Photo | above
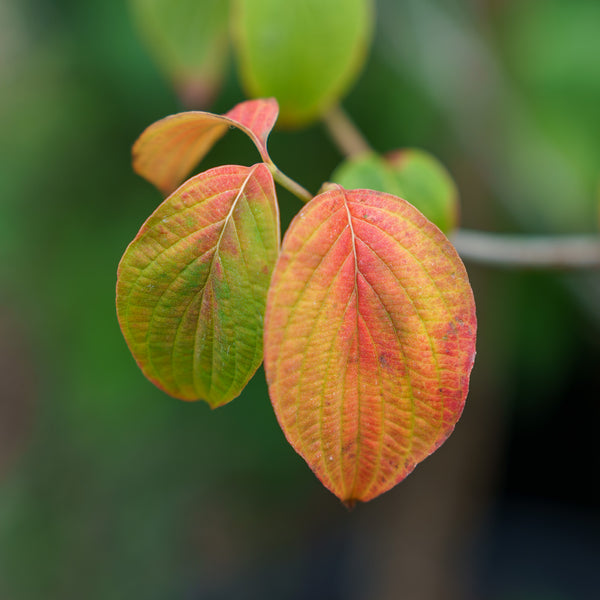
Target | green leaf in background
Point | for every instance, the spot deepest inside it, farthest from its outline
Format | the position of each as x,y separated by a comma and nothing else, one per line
552,54
189,40
192,285
411,174
306,53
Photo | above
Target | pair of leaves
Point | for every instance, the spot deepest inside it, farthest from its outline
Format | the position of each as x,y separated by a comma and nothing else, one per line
369,320
306,53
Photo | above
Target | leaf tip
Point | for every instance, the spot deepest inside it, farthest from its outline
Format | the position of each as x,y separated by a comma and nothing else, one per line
350,503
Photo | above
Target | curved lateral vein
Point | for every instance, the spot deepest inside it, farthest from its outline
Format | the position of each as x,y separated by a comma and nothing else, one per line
382,407
409,379
128,306
416,260
166,249
334,279
307,282
325,379
235,338
417,312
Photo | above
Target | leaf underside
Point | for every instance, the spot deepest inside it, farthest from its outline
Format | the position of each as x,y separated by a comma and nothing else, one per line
369,339
192,285
168,150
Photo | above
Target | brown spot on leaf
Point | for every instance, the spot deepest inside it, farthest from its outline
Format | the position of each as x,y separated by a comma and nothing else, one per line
384,360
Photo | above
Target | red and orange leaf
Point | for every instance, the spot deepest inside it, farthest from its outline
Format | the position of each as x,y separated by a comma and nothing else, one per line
369,339
192,285
170,148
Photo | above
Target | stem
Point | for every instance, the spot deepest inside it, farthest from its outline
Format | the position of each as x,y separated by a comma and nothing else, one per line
549,252
346,135
289,184
347,138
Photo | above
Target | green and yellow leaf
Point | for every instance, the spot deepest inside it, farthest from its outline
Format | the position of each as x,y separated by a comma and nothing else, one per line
369,339
169,149
192,285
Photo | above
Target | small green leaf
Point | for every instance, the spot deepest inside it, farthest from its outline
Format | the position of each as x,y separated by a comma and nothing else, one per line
306,53
192,285
189,40
411,174
369,339
168,149
367,171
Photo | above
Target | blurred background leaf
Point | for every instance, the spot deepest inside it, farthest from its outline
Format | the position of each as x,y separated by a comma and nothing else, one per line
410,173
305,53
109,489
190,41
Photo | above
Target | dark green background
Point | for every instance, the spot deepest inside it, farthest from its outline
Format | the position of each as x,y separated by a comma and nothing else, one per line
109,489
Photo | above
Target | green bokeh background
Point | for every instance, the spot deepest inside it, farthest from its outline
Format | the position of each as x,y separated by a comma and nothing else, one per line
109,489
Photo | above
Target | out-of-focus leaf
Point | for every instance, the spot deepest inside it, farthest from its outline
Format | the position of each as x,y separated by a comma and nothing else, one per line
168,149
421,176
552,49
306,53
369,339
189,40
411,174
192,285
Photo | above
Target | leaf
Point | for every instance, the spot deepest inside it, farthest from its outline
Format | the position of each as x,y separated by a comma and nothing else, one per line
168,149
411,174
189,40
369,339
192,285
306,53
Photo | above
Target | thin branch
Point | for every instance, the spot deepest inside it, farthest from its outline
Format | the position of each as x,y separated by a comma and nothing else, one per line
289,184
526,251
345,134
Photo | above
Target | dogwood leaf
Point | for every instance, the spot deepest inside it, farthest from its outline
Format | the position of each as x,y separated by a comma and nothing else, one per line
168,149
192,285
369,339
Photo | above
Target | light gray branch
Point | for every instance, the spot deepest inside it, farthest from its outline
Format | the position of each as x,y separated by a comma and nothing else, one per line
527,251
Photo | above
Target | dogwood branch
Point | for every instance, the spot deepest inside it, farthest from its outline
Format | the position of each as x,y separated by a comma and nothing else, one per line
345,134
528,251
